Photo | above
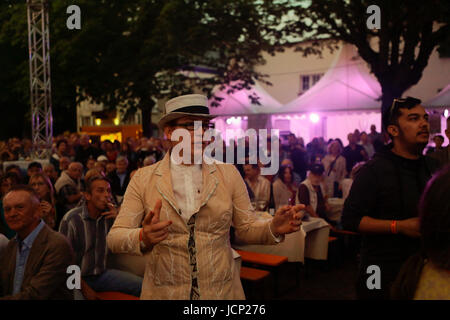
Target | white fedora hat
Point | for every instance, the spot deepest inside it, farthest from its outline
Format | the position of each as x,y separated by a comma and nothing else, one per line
186,105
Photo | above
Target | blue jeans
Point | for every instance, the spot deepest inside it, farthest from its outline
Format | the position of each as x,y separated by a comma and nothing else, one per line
116,280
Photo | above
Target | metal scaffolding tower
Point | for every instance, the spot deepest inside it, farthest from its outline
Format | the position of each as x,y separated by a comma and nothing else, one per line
40,85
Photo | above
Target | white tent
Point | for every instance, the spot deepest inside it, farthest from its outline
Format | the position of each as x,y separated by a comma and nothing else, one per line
441,100
236,110
438,104
346,98
238,103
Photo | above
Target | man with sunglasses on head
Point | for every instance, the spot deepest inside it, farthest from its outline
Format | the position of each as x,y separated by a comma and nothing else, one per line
382,204
178,215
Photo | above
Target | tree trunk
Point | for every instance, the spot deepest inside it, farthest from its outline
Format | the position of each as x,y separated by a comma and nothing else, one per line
389,93
146,108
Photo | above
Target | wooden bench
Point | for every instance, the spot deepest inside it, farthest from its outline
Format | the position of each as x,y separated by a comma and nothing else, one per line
114,295
264,260
255,277
252,274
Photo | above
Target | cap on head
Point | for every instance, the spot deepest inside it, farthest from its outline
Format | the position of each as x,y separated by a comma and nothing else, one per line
185,105
317,169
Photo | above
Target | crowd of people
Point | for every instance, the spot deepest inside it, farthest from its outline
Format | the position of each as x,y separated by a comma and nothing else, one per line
79,192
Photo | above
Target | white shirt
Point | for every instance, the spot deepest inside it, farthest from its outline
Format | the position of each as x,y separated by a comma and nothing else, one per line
187,182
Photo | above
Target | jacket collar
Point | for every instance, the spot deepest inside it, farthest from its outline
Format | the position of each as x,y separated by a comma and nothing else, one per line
165,188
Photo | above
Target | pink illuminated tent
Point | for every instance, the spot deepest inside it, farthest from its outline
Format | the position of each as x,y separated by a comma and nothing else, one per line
347,86
238,102
237,110
346,98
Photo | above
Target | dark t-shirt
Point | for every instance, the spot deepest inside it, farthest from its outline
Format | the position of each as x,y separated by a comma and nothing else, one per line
303,198
388,187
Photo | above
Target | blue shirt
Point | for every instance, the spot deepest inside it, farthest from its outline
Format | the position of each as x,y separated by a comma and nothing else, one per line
23,250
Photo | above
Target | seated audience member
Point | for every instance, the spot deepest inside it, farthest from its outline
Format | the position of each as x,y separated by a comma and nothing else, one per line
7,181
120,178
85,150
64,163
367,145
51,173
312,193
110,168
438,142
68,189
101,166
258,184
284,188
426,275
34,263
44,190
86,228
346,184
90,164
15,169
443,155
297,179
61,151
353,153
33,168
335,169
93,172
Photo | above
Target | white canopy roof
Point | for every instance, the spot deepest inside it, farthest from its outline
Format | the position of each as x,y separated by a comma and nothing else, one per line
440,100
347,86
239,103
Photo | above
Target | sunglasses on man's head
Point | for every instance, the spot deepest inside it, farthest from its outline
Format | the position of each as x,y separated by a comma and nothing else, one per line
397,103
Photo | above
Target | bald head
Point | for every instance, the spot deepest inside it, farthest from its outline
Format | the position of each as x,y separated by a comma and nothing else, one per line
22,210
75,170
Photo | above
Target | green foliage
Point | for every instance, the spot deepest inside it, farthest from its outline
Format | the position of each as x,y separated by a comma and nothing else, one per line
129,52
397,53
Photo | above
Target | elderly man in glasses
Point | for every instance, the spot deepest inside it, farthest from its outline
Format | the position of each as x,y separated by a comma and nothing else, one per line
382,204
179,216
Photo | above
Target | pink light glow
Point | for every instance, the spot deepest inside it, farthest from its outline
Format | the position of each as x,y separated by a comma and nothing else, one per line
314,118
446,113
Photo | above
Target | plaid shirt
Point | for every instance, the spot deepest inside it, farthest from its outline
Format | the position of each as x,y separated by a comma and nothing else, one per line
88,239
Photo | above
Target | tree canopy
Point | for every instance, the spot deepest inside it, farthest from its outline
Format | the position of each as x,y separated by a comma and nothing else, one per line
397,53
130,52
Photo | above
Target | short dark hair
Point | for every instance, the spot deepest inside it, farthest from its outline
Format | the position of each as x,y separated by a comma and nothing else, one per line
390,116
10,175
11,167
35,164
61,141
92,179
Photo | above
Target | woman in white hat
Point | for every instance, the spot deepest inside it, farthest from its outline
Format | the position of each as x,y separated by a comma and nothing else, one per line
179,216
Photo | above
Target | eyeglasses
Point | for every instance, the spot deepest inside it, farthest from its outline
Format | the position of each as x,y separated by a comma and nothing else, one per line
191,125
394,105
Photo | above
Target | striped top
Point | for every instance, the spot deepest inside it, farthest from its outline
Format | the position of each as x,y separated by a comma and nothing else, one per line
88,239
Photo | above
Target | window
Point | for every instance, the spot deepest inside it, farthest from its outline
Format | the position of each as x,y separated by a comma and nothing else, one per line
315,78
308,80
305,83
